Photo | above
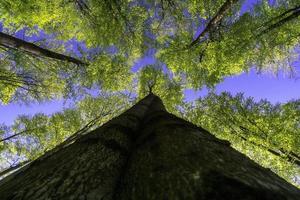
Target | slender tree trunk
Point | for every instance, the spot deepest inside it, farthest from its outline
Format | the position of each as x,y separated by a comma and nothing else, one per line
146,153
224,9
12,168
16,43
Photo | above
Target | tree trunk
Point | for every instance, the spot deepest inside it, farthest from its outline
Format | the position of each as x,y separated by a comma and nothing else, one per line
146,153
224,9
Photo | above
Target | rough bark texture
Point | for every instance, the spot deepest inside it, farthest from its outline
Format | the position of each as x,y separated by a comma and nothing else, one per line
146,153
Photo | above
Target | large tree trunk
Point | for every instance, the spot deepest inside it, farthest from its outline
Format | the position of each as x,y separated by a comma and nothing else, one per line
146,153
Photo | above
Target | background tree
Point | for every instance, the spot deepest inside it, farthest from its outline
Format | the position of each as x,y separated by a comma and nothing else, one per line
27,70
267,133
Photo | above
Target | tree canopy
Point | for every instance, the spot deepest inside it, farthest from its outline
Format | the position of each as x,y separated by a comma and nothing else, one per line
267,133
74,49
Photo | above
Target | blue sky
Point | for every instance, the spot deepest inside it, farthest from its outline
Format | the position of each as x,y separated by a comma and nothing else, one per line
276,89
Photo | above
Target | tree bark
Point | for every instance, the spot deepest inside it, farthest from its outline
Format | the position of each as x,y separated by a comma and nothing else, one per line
16,43
146,153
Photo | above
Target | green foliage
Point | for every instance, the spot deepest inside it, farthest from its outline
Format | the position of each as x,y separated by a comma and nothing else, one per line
152,78
267,133
238,43
25,77
265,37
110,72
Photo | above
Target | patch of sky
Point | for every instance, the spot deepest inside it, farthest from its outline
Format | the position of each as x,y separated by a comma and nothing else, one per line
186,13
112,49
249,5
75,47
276,89
150,35
79,49
200,29
8,113
39,36
157,14
272,2
296,61
147,59
144,3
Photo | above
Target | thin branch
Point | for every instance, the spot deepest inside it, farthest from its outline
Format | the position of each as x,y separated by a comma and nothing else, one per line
14,135
282,15
291,157
294,15
10,169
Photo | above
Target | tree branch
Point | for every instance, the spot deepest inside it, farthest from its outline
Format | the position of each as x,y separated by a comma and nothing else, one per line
14,135
295,13
10,169
215,20
16,43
